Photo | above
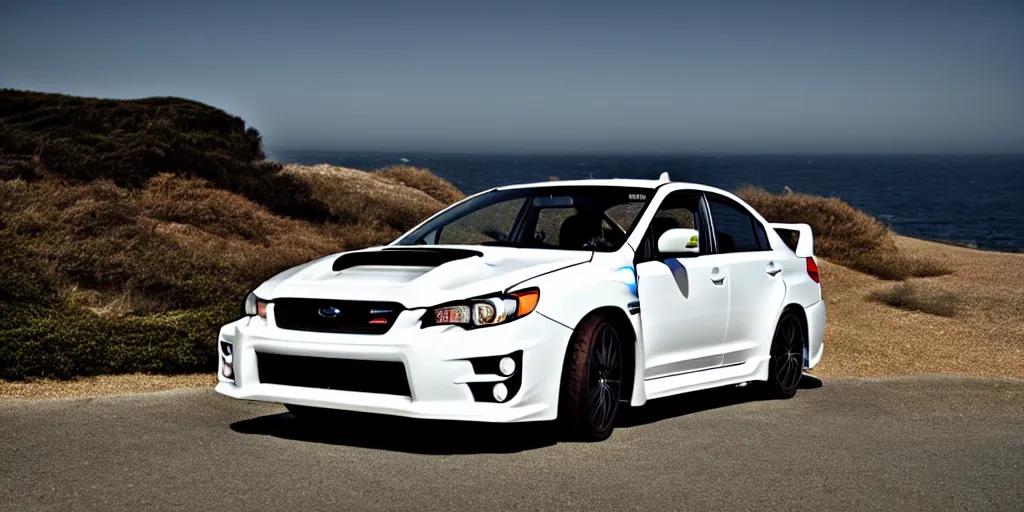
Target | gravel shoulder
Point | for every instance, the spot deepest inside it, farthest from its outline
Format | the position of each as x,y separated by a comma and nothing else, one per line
103,385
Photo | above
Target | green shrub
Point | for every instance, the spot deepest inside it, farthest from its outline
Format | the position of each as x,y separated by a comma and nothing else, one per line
21,279
67,341
43,334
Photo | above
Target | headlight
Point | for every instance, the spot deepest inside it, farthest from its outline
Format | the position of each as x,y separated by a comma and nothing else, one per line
254,306
484,311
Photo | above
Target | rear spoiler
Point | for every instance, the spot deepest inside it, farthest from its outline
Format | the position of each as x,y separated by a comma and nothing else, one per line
803,246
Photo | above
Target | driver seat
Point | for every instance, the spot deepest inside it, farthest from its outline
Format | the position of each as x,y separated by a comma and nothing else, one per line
578,230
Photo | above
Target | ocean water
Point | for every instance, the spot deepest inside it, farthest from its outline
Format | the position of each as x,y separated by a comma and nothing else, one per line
975,200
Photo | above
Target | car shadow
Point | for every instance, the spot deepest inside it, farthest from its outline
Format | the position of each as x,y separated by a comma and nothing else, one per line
436,437
699,401
426,437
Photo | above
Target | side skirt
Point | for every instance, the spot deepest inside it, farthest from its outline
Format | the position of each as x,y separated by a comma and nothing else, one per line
753,369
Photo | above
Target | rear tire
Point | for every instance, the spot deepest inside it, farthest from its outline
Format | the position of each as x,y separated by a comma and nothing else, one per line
592,380
786,366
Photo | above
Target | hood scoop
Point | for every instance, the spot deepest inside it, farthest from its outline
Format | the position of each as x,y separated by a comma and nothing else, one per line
402,257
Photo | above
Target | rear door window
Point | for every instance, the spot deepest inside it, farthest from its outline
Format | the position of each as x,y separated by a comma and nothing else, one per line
736,230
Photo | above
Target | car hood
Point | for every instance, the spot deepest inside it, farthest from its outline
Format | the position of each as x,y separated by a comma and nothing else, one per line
461,272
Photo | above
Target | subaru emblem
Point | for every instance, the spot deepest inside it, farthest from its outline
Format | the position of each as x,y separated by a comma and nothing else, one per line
329,312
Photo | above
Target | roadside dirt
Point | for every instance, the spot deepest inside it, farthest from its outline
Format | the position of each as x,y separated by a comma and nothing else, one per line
864,338
103,385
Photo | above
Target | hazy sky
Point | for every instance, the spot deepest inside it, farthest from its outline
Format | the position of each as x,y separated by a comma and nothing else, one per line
522,76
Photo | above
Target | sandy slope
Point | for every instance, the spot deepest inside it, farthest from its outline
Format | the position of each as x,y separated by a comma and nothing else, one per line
986,337
862,338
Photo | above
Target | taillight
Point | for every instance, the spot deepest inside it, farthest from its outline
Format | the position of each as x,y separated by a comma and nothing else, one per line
812,270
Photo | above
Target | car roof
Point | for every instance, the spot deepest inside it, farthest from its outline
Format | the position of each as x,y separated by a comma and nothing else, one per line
617,182
614,182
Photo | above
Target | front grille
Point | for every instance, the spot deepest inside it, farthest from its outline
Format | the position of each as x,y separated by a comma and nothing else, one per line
385,377
353,317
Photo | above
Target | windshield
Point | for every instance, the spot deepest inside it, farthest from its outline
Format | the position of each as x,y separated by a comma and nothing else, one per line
588,218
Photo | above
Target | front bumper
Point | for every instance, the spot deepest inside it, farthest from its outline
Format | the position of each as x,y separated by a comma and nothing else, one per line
436,360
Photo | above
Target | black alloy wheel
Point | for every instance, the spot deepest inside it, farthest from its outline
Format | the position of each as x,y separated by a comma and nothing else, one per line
786,366
593,380
605,378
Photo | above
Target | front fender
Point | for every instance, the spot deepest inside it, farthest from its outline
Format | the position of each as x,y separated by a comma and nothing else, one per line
569,295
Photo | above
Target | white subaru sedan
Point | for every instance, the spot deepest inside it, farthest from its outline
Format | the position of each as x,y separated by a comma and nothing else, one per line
561,300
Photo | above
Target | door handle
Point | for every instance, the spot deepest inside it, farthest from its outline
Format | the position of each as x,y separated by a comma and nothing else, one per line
718,282
773,270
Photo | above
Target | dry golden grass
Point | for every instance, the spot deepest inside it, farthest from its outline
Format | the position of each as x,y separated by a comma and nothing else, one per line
377,206
916,297
985,339
177,243
844,234
840,230
424,180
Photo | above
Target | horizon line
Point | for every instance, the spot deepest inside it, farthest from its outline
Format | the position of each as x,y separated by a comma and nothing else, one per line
354,152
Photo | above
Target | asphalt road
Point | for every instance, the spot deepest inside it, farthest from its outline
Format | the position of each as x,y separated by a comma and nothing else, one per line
926,444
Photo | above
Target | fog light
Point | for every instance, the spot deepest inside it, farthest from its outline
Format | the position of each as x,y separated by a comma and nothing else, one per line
227,358
507,366
500,392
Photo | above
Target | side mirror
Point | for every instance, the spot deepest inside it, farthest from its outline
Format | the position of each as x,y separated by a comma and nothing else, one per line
679,242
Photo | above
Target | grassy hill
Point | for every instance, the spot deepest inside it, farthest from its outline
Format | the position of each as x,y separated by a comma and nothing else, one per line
129,142
131,230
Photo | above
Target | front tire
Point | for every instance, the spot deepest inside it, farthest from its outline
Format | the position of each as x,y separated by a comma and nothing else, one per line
593,380
786,366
